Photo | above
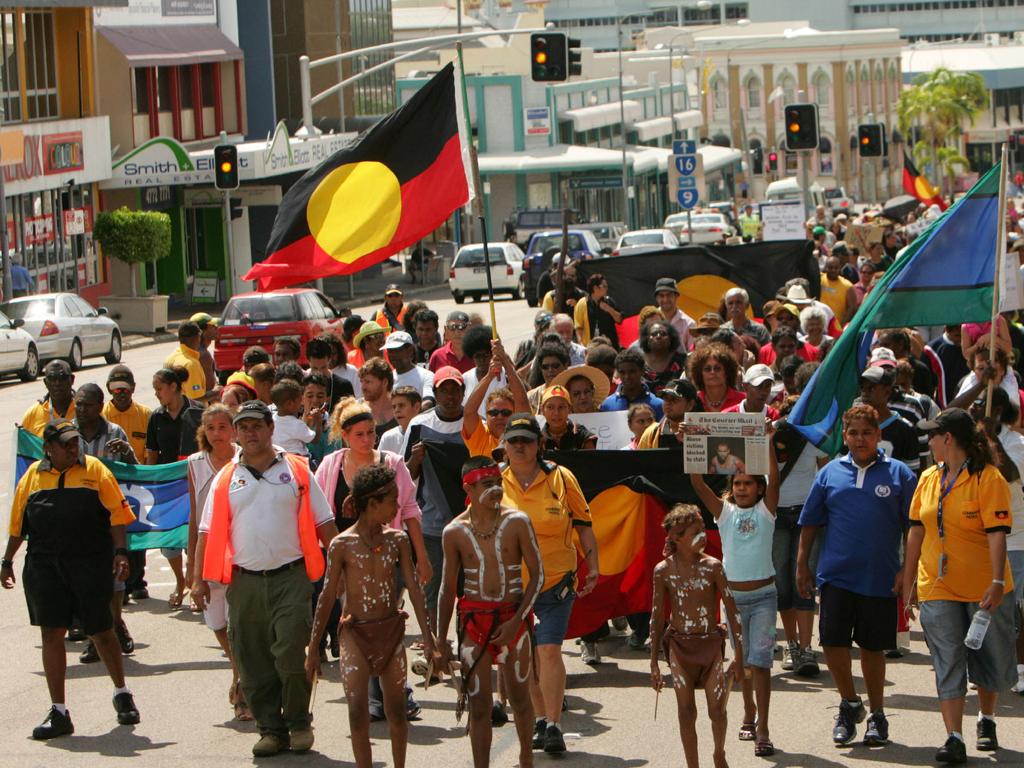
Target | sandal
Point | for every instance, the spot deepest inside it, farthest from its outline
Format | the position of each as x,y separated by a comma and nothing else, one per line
748,732
764,748
176,599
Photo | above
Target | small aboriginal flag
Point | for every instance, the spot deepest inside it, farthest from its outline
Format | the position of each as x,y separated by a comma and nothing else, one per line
917,185
398,182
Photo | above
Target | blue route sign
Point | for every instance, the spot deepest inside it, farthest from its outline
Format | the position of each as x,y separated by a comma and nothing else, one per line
684,161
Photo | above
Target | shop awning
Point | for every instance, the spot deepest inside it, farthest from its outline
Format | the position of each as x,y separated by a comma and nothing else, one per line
568,158
692,118
654,128
601,115
716,158
171,45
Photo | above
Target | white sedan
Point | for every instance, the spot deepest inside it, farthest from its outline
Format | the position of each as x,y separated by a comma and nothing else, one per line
645,241
707,227
66,326
18,352
468,275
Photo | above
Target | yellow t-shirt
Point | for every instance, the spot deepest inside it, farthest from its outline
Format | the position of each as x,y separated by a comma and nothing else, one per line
581,319
39,415
480,442
976,504
188,358
89,472
134,422
555,505
834,294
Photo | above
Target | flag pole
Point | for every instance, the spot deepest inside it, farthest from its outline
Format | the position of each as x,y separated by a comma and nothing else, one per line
998,273
477,202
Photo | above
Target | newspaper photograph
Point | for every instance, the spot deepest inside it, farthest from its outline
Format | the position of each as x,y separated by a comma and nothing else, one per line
725,444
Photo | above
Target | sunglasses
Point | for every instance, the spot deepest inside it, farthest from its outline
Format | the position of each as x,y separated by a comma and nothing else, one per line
500,412
520,440
118,390
456,326
658,334
712,368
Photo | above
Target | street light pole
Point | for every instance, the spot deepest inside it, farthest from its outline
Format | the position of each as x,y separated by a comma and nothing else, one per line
627,209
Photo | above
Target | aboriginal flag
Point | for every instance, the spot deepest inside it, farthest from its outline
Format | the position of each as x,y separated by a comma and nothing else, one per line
918,186
703,273
395,184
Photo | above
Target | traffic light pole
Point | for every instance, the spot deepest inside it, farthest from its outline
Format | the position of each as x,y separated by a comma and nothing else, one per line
229,241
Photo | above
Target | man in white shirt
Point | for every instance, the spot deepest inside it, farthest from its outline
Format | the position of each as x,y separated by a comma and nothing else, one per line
666,296
401,353
564,326
251,536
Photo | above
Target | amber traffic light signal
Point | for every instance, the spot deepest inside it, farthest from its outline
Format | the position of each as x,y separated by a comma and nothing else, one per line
549,57
871,140
801,126
225,166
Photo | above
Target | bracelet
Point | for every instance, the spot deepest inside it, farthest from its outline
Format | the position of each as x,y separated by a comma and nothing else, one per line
1000,582
120,551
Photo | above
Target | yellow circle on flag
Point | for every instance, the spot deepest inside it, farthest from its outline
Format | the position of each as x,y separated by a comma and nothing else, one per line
702,293
355,210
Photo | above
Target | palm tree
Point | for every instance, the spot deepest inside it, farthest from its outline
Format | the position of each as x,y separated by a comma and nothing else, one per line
939,103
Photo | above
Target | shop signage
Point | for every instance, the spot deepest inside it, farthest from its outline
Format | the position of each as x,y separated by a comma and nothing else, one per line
161,198
187,7
163,161
537,121
12,147
56,152
63,152
39,230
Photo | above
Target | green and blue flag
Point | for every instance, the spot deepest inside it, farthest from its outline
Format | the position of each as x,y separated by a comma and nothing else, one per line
157,494
945,276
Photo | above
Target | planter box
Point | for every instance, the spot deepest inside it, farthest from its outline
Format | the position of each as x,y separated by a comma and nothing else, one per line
140,314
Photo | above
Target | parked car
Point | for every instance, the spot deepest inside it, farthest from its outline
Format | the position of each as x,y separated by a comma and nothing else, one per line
468,275
18,353
726,208
789,189
606,232
521,225
837,199
707,227
66,326
261,318
583,245
645,241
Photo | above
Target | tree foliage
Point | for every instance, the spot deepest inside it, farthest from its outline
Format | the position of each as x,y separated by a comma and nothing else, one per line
134,237
939,102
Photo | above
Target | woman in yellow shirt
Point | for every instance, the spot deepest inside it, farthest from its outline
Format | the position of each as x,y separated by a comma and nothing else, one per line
955,567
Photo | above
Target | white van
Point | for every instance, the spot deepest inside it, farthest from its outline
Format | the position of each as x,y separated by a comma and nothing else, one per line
790,189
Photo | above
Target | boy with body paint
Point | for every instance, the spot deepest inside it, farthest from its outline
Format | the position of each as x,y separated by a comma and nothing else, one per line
361,563
691,584
489,543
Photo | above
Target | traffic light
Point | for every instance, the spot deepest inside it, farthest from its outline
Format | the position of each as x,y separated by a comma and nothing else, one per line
548,57
871,139
801,126
757,160
575,56
773,161
225,166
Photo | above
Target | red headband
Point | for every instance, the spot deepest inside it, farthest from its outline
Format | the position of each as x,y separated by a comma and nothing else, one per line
477,475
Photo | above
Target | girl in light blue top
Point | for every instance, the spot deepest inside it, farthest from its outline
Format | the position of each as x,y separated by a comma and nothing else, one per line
746,522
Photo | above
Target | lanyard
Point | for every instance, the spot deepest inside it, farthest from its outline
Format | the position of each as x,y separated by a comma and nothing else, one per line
945,489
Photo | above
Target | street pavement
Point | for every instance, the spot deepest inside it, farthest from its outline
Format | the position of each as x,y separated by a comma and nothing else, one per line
180,680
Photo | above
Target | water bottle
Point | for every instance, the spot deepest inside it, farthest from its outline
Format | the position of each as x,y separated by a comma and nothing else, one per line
976,632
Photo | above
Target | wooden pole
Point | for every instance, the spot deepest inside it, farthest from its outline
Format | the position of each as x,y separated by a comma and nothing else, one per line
998,273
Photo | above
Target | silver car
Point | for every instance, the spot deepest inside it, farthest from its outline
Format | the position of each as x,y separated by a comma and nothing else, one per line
66,326
17,350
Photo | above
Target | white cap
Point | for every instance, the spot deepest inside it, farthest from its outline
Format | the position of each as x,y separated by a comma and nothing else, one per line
757,375
397,340
882,356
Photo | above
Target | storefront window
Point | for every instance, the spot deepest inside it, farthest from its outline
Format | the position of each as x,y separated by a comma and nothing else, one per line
40,66
10,98
140,78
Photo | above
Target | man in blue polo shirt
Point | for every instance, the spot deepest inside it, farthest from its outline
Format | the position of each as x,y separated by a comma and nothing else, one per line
863,502
629,365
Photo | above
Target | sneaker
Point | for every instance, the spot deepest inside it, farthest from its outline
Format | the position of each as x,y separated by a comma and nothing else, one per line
140,594
55,724
845,729
301,740
807,663
590,655
877,732
620,623
554,744
790,657
894,653
953,751
124,637
635,642
90,655
1019,687
124,705
987,741
499,715
269,744
540,731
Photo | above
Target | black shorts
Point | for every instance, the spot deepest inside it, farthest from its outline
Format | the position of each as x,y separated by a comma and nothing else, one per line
847,617
59,589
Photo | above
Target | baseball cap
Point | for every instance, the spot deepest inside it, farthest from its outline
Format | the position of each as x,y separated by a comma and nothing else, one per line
682,388
202,319
666,284
521,425
542,318
61,431
882,356
556,390
448,373
955,421
397,340
818,230
121,373
393,290
791,308
56,369
758,374
254,409
878,375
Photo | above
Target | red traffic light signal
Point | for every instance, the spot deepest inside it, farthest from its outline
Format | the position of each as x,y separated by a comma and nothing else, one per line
773,161
225,166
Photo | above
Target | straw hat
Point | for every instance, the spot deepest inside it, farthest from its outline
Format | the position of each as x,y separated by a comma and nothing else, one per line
602,387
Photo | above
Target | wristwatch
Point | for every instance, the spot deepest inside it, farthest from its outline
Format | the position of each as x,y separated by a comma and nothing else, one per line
7,564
